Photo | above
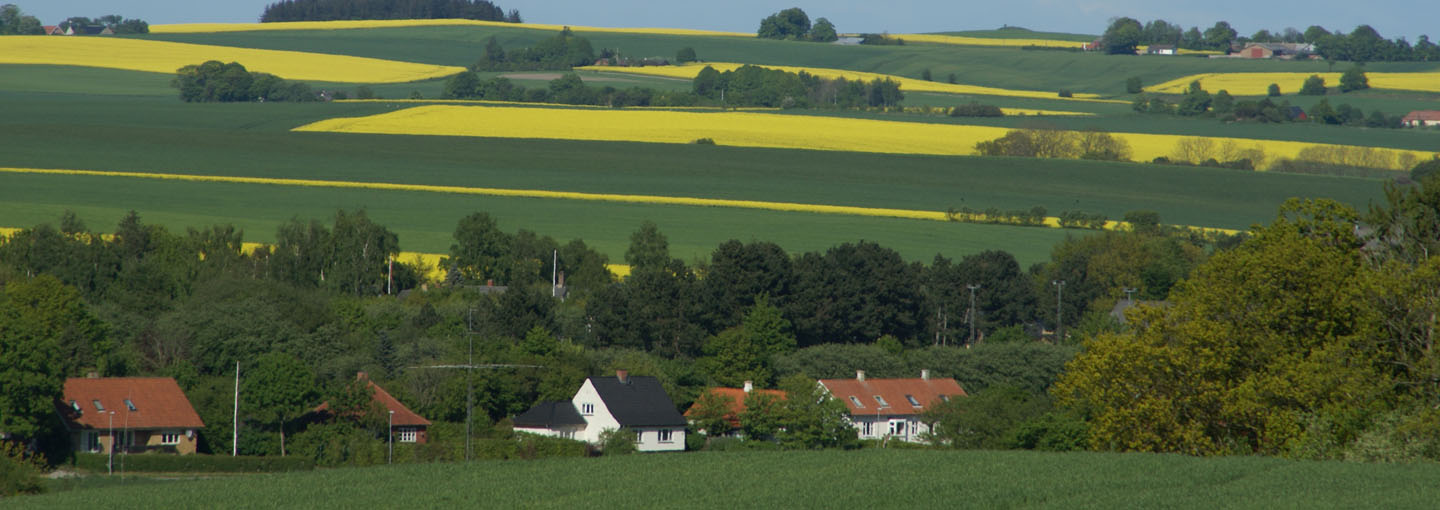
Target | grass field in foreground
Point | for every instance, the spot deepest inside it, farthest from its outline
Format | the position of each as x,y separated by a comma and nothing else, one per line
805,479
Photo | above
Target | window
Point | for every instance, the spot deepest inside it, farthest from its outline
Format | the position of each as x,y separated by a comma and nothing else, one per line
407,434
98,407
897,427
92,440
665,436
76,406
867,428
567,434
882,401
912,400
587,409
170,438
639,436
856,401
944,398
130,405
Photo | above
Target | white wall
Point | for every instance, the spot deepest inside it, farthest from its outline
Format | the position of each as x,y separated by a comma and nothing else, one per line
880,427
649,440
597,422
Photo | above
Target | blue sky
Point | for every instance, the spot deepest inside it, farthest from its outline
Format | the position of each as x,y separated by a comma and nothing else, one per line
1393,18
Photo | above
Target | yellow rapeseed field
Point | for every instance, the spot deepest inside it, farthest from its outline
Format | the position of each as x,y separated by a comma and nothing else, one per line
1256,84
166,57
189,28
745,129
689,71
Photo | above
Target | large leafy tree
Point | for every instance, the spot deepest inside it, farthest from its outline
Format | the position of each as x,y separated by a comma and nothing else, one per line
279,389
792,24
1264,340
855,293
46,334
1123,36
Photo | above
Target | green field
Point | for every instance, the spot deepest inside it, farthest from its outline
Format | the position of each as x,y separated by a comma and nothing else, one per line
165,135
824,479
1021,33
995,67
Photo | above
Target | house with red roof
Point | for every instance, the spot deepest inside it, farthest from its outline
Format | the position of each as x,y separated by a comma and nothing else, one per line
407,426
735,398
1422,118
131,414
891,408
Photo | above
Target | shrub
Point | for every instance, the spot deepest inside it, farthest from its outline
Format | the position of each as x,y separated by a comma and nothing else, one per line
975,109
19,473
1353,80
1273,90
619,441
1314,86
167,463
703,141
1066,93
1133,85
685,55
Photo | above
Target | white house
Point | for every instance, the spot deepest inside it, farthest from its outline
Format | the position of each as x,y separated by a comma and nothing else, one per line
891,408
638,403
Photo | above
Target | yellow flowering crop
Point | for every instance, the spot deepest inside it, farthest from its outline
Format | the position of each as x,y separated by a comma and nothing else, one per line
689,71
189,28
1257,84
167,57
744,129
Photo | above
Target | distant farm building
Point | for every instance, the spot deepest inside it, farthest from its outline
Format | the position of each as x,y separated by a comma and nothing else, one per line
1160,49
1275,50
1422,118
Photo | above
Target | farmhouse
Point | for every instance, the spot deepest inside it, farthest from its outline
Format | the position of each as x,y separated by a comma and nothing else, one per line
735,397
1422,118
408,426
638,403
1160,49
891,408
1274,50
130,414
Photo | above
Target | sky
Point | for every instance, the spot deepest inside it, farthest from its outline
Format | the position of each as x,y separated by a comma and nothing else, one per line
1392,18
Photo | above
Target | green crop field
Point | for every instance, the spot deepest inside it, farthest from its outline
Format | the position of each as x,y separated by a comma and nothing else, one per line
163,135
1021,33
825,479
996,67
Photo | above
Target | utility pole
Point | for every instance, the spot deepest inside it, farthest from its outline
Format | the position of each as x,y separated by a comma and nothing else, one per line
469,380
235,416
1059,289
1130,294
554,264
972,288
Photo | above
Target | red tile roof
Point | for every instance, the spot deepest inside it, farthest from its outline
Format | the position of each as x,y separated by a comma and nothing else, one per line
894,391
1427,115
158,401
736,397
403,415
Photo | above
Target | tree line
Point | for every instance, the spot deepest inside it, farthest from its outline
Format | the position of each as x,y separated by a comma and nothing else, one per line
329,10
331,297
794,25
215,81
1363,44
13,21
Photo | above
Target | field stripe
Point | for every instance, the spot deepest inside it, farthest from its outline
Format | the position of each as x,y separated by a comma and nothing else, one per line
914,214
195,28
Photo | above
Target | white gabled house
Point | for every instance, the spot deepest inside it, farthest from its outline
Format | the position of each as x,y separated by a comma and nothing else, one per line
638,403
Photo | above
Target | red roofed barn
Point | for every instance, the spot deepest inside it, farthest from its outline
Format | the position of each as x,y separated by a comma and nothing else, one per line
1422,118
135,414
882,408
408,426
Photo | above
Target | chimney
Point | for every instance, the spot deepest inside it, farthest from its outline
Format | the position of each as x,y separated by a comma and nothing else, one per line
860,375
925,374
489,283
361,376
92,375
749,385
623,376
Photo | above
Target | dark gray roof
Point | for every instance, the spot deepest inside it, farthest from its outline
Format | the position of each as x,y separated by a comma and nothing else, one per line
640,401
549,415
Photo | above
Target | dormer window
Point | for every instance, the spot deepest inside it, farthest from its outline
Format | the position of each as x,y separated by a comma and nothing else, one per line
881,401
912,400
945,398
856,401
76,406
130,405
98,407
